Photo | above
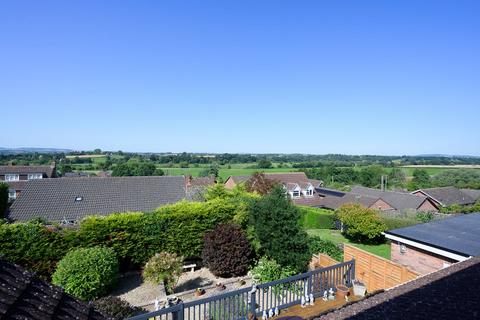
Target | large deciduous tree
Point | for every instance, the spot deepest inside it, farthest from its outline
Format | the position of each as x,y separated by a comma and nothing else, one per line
259,183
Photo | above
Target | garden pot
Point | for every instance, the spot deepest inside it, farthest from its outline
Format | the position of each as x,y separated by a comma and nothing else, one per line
199,292
342,291
359,289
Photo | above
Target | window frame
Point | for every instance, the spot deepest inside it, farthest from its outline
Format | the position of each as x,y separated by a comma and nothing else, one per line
10,192
34,176
12,177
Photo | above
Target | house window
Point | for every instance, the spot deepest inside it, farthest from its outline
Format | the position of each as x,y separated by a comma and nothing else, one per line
403,248
34,176
12,177
296,193
309,192
12,194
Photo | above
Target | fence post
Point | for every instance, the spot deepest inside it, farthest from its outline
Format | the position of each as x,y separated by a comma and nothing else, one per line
178,314
352,272
309,283
253,303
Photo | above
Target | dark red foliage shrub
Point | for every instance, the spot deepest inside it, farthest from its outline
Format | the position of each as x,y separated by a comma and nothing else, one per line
227,251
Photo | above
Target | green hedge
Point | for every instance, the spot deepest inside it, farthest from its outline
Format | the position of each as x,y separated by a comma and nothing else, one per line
316,218
34,246
135,237
330,248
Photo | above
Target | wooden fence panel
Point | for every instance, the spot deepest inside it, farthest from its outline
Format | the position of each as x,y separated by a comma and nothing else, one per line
321,260
377,272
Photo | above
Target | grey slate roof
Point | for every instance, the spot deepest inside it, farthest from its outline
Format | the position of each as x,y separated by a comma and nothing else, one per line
54,199
48,170
460,234
25,296
474,194
440,295
451,195
397,200
17,185
334,202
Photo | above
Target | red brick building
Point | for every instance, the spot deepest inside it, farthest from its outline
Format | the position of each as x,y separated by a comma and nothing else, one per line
432,246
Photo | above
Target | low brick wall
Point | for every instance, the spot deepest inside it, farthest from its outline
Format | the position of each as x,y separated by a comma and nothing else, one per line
419,260
377,272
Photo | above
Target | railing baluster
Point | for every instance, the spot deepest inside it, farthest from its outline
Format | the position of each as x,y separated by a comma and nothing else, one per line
275,294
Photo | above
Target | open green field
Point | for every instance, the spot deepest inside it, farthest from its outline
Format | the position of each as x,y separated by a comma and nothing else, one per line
223,172
434,170
382,250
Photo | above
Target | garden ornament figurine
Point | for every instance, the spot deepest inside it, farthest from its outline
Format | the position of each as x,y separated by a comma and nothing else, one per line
157,304
302,301
270,313
330,294
312,299
277,312
264,315
325,295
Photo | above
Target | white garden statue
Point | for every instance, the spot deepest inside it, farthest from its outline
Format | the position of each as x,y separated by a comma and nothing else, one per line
270,313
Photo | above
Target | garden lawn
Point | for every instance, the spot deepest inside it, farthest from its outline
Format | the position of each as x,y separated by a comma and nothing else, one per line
382,250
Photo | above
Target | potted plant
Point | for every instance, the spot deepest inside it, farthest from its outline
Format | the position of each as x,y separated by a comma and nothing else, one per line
342,291
199,292
359,288
220,286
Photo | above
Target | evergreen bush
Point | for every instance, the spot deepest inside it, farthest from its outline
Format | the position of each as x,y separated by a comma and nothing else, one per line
87,273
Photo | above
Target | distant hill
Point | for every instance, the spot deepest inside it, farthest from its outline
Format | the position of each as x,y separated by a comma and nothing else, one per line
32,150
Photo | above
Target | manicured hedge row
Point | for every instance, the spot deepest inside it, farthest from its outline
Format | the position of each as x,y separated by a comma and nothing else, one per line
134,237
177,228
34,246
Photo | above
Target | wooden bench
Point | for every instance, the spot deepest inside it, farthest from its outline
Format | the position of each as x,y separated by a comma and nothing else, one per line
190,266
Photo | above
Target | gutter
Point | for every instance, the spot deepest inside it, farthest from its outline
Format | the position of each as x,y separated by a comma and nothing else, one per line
428,248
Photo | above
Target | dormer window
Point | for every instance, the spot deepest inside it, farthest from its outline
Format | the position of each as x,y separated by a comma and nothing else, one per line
35,176
78,199
309,192
296,194
12,177
12,194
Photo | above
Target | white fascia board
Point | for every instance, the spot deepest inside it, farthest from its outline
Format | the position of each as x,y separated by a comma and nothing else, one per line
428,248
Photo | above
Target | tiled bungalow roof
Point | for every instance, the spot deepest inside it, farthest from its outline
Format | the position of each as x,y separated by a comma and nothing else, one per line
447,196
334,202
201,181
48,170
398,200
72,199
445,294
25,296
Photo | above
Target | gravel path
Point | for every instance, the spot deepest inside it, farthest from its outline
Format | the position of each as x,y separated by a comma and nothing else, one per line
133,289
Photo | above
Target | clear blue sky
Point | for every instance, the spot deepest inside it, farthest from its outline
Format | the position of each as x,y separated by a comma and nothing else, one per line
354,77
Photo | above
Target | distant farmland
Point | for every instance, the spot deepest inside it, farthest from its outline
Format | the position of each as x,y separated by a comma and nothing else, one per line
223,173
